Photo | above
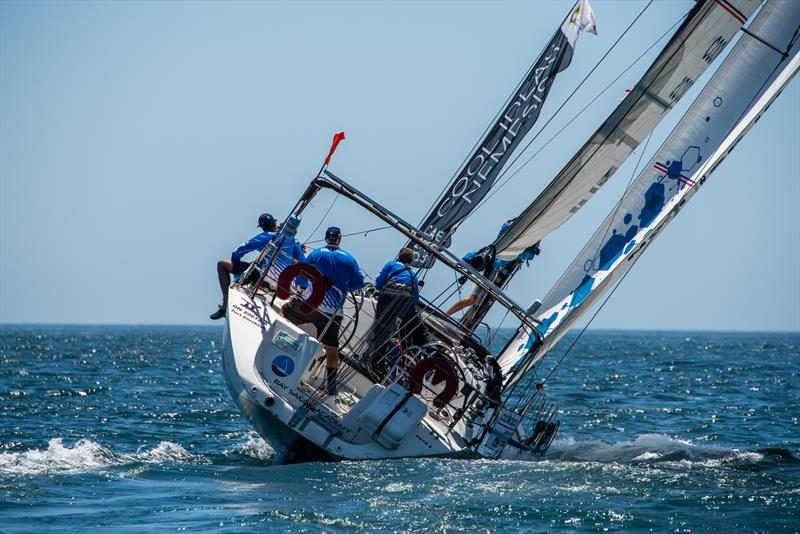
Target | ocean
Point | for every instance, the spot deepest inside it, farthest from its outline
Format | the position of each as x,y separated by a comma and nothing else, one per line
131,429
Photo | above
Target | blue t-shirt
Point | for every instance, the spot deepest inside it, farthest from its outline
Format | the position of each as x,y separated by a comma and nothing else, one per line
400,273
342,269
527,254
290,251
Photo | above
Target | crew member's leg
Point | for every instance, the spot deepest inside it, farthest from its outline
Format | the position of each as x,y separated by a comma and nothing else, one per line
386,313
224,270
461,304
328,332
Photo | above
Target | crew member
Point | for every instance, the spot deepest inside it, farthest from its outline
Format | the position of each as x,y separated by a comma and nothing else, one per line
343,274
477,291
398,292
289,251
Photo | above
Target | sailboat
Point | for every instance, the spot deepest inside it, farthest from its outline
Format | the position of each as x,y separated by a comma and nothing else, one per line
452,396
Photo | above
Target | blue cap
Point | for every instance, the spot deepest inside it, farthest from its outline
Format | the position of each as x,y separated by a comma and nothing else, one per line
333,232
265,219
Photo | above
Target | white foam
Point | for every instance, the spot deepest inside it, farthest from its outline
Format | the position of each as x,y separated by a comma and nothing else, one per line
255,447
645,447
86,456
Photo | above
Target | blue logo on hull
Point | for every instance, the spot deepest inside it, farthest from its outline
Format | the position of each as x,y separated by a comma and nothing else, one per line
282,366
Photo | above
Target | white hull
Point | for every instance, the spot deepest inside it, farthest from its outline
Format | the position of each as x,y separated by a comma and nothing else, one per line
277,405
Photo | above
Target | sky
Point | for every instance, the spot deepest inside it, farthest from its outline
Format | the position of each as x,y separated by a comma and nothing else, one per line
139,142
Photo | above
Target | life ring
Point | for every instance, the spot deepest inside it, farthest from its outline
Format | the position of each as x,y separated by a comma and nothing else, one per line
442,371
319,285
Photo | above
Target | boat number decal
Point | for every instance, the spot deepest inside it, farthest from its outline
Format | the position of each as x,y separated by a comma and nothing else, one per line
319,285
282,365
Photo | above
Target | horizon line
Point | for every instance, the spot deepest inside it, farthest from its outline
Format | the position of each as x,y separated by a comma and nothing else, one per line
206,325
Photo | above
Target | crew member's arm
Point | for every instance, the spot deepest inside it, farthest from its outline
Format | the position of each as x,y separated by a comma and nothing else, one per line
297,253
255,243
302,281
381,278
356,280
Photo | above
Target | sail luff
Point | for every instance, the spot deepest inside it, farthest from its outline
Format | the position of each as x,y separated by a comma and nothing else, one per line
738,93
707,30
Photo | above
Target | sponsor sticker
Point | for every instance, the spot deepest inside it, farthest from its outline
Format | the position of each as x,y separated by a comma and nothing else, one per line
282,365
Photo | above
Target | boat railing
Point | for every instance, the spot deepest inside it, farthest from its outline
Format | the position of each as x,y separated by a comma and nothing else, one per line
539,424
330,181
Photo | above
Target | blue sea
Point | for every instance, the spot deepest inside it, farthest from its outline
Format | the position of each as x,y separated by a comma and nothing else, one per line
131,429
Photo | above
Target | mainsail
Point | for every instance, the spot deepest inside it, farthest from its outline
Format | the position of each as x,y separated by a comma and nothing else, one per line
708,28
760,65
477,176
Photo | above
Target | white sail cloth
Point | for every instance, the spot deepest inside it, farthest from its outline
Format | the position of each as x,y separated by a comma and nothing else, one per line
708,29
747,82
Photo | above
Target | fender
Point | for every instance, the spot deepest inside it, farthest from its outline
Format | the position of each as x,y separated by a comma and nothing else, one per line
319,285
442,371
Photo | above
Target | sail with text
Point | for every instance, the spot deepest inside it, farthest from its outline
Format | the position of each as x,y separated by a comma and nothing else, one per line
476,177
708,28
759,66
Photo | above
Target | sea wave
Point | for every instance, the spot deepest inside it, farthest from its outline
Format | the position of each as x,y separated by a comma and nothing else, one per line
254,446
87,456
660,448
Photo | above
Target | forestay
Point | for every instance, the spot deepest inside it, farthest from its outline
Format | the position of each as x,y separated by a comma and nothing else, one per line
708,28
750,78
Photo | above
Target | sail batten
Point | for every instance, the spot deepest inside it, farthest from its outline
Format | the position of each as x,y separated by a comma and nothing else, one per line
707,30
743,87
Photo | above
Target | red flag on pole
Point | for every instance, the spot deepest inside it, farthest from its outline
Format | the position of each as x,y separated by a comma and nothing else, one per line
336,138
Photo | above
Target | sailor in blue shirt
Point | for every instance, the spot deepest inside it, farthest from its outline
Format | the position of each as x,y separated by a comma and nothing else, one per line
289,252
398,292
476,291
344,275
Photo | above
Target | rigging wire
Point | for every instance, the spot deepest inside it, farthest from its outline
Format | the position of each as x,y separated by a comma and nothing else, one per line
580,334
486,130
616,208
609,218
608,227
533,366
573,119
335,198
360,232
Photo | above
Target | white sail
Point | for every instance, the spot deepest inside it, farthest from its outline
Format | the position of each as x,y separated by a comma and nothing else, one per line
748,81
708,29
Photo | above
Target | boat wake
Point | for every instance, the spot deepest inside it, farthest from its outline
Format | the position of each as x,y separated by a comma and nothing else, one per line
660,449
86,456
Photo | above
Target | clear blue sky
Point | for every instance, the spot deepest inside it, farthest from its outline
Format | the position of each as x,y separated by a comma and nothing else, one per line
139,141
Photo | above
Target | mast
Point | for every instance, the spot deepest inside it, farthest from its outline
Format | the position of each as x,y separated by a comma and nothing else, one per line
761,64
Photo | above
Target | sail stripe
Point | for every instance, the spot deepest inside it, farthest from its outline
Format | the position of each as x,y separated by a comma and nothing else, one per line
681,178
727,6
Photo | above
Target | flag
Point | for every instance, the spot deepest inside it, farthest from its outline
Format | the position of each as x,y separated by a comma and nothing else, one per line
580,20
336,138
